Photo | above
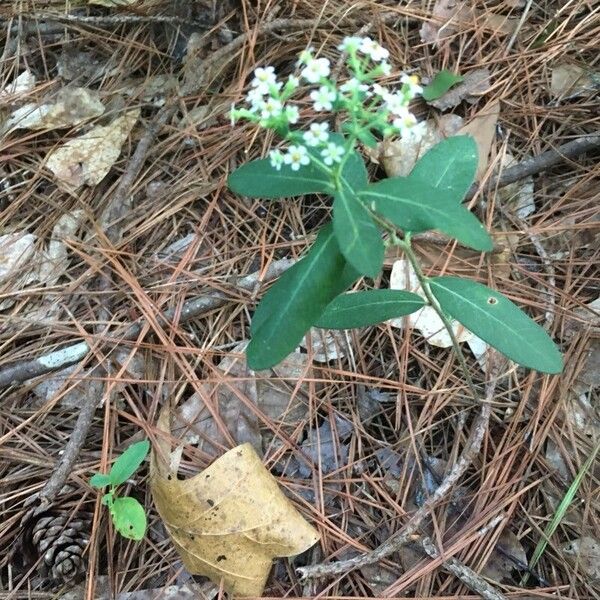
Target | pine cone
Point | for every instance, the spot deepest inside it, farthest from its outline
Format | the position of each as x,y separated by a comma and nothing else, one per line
59,541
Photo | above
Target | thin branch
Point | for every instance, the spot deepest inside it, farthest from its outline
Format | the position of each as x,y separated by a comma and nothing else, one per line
65,357
409,531
541,162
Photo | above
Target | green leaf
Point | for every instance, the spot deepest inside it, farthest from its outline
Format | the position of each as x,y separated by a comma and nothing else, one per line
129,518
368,308
499,322
100,480
296,301
126,465
449,167
415,206
258,179
441,83
358,237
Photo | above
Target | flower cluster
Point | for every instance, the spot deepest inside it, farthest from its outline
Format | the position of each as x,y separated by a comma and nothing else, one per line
371,109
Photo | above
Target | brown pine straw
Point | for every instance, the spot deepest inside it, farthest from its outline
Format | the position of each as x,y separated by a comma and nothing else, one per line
178,189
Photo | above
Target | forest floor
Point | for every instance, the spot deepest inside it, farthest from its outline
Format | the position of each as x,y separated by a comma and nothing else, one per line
97,243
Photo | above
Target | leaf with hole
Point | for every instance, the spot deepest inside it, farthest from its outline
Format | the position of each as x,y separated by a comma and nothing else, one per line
440,84
297,300
449,167
129,518
126,465
415,206
100,480
499,322
360,309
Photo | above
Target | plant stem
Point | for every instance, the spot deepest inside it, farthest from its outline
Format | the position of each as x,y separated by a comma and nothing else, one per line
406,246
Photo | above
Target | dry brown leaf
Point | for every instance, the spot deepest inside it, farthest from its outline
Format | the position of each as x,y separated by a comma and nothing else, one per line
86,160
499,567
399,156
471,88
326,345
229,521
274,392
572,81
584,553
483,129
71,106
516,197
22,84
452,16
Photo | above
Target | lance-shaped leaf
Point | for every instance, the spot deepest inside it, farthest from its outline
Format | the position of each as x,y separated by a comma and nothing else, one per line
126,465
440,84
415,206
259,179
499,322
100,480
360,309
358,237
449,167
296,301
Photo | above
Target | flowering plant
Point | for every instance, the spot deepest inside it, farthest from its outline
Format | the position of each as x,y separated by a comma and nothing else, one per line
367,217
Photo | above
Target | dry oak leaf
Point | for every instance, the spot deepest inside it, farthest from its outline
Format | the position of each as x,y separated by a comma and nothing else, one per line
88,158
231,520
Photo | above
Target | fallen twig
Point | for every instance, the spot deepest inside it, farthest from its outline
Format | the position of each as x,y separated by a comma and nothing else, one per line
408,532
65,357
539,163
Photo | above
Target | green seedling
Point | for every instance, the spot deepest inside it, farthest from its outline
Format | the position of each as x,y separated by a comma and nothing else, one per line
367,216
127,513
441,83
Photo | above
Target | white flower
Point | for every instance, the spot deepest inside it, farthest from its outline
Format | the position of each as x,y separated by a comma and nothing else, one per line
323,98
306,56
315,70
264,78
405,121
270,108
396,103
412,82
292,114
373,49
350,44
317,134
380,91
276,159
293,82
353,85
296,156
255,97
385,68
332,153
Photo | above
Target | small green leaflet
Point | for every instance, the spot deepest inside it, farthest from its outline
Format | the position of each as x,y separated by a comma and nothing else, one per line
100,480
499,322
129,518
358,237
441,83
449,167
296,301
126,465
415,206
360,309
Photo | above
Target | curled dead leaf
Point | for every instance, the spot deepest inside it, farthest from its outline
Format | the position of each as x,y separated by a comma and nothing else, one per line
88,158
229,521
